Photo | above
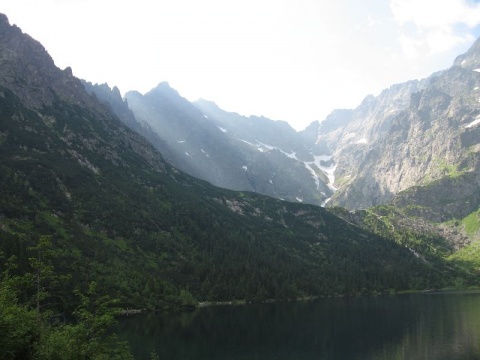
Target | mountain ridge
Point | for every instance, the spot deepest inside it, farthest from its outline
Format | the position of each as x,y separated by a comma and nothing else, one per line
394,148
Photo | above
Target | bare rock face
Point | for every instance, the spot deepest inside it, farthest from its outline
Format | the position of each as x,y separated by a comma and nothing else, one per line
354,136
413,134
27,69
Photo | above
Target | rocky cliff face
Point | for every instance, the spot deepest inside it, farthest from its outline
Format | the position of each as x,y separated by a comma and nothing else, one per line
413,134
28,70
353,136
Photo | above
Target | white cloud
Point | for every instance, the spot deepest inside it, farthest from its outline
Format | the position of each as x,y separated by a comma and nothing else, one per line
428,27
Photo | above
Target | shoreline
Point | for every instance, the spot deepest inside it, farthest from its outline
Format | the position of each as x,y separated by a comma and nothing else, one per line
204,304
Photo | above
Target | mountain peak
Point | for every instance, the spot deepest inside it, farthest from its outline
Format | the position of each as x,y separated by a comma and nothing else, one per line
164,88
164,85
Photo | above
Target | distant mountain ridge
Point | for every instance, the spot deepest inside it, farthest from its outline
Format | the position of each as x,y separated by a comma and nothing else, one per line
233,151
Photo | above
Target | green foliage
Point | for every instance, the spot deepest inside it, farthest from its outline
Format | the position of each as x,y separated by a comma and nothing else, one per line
450,170
42,274
472,223
29,332
18,324
421,240
468,257
88,338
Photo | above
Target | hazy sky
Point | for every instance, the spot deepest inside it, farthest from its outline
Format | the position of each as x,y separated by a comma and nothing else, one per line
284,59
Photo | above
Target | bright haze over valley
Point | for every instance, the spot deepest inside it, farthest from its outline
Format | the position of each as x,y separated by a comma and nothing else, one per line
291,60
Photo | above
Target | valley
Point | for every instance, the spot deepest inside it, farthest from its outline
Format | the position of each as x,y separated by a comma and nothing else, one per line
160,203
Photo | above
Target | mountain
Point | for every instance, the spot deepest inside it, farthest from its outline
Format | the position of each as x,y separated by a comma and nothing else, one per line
386,151
277,159
148,234
232,151
354,136
421,134
409,159
413,138
193,144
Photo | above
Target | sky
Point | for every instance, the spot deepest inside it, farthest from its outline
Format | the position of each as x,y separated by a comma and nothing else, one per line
282,59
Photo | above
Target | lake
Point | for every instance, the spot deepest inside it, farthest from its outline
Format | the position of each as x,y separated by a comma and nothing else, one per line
412,326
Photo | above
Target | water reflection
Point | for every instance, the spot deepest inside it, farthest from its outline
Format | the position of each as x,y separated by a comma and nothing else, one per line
419,326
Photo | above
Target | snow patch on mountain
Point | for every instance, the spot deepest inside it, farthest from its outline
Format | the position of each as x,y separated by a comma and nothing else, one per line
321,167
323,204
329,170
473,123
222,129
266,148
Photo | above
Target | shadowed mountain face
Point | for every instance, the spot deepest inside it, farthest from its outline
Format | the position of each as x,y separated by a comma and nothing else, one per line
233,151
146,232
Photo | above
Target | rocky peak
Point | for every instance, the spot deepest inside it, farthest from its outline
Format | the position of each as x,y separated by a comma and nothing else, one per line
163,89
28,70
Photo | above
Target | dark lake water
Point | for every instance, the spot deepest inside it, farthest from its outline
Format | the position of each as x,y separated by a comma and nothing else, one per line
414,326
